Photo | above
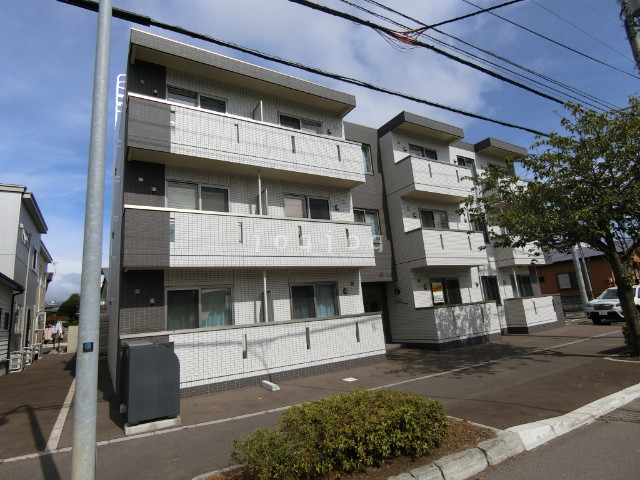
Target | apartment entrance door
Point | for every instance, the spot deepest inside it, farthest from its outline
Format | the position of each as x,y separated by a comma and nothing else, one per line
375,300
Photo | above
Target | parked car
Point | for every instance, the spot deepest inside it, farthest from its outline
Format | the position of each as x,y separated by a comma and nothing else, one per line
607,305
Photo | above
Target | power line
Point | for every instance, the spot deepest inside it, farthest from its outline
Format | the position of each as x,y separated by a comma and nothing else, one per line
580,29
418,43
554,41
148,22
473,14
584,95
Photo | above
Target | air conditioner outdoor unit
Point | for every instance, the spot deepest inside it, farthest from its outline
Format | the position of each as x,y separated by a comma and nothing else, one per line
151,381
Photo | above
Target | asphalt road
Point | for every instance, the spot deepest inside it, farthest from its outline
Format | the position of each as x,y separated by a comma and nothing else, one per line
516,380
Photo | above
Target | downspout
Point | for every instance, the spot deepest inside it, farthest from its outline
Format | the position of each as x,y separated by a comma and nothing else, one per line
265,307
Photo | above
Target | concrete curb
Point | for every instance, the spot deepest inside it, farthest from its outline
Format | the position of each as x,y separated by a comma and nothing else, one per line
515,440
510,442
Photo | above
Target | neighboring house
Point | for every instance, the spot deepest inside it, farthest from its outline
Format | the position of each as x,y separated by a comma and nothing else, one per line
233,227
559,276
24,260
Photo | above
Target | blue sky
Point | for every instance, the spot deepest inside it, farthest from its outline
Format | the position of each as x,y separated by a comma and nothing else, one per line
47,53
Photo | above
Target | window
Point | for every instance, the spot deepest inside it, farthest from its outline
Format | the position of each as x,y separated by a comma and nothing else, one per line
313,301
193,99
366,158
299,206
370,217
524,286
477,224
418,151
195,197
490,288
196,308
567,280
26,237
434,219
4,321
464,162
301,124
446,291
34,259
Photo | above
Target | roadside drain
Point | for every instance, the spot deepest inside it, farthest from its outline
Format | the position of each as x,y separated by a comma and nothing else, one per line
623,415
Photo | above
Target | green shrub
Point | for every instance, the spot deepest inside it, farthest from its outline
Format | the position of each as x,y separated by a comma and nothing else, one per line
343,433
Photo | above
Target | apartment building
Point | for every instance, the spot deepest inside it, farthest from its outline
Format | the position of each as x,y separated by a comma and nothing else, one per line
24,276
234,234
451,286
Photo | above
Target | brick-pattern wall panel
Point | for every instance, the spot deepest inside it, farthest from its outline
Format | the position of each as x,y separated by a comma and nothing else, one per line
137,315
148,124
147,78
222,355
138,192
146,239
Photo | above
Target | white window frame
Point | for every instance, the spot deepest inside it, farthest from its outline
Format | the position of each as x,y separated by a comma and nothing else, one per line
302,121
315,302
378,237
423,152
307,205
198,99
199,186
199,289
367,159
434,211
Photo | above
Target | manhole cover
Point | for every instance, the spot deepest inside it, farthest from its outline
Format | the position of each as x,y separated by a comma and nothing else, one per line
623,415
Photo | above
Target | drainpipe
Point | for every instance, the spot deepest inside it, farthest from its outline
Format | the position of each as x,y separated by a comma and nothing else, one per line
259,194
264,272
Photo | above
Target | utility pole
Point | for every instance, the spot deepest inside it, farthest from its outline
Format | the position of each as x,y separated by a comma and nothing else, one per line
579,277
630,11
83,463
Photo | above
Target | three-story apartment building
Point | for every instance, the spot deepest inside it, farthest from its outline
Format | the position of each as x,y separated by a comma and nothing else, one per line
233,229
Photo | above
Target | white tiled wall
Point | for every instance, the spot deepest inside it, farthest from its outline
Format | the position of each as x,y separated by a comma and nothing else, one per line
217,355
529,312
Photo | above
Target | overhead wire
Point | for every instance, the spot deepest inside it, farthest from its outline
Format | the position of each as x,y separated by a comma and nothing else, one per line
580,29
549,39
400,37
586,97
149,22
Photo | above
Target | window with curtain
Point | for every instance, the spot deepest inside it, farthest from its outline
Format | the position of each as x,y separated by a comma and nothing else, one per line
314,301
371,217
216,307
214,199
446,291
182,309
182,195
295,206
434,219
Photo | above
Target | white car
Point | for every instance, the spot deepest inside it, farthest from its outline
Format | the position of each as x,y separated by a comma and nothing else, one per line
607,306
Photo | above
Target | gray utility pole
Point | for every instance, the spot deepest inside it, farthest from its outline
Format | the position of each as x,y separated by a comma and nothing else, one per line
579,277
83,466
630,11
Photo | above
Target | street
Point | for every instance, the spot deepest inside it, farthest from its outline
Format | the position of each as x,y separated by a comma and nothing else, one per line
516,380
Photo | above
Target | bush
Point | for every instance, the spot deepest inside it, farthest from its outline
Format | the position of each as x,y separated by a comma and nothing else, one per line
343,433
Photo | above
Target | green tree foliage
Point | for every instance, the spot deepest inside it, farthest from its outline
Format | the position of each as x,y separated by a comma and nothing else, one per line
70,307
582,187
344,433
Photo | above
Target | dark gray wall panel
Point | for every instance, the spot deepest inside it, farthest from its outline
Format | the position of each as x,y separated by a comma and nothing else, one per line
138,192
147,79
136,314
146,239
148,125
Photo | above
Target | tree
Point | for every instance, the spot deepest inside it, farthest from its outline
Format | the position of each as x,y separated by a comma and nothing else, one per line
581,187
70,307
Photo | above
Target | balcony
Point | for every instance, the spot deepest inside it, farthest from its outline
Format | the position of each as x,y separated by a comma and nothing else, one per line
523,314
457,322
440,247
435,180
209,139
509,257
217,239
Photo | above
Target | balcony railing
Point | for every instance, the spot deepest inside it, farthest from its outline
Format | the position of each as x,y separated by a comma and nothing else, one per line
218,239
434,179
524,313
506,257
246,142
448,247
455,322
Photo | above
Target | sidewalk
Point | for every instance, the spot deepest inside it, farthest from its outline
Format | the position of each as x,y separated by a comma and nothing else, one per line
569,358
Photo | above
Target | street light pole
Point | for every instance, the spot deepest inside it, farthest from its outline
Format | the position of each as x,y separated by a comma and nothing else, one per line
83,465
628,14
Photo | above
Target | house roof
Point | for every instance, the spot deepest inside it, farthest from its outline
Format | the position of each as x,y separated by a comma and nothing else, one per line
10,283
29,202
498,148
427,127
